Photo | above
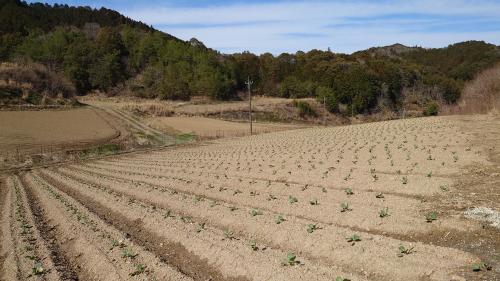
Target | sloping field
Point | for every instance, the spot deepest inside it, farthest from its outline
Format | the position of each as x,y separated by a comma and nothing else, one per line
379,201
209,127
27,129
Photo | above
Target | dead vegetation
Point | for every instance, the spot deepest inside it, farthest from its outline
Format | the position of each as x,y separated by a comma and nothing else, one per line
33,85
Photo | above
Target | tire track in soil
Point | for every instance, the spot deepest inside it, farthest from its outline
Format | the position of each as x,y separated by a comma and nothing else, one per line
174,254
67,270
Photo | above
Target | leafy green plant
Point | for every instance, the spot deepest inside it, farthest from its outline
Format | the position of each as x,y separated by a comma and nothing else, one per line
430,217
429,174
291,259
229,234
339,278
279,220
323,190
253,245
38,269
349,191
379,195
402,250
200,227
128,253
139,269
480,266
255,212
311,228
353,239
344,207
384,212
404,180
292,199
168,214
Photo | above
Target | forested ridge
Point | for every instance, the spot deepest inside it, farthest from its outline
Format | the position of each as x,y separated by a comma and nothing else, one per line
99,49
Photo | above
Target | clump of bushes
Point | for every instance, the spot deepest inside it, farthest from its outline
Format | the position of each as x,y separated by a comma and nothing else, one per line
305,109
432,109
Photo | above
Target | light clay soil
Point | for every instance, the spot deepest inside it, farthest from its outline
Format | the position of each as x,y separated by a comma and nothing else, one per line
209,212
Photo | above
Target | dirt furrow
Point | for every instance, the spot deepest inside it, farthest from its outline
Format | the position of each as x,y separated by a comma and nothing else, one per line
39,248
263,227
95,251
11,269
206,242
406,216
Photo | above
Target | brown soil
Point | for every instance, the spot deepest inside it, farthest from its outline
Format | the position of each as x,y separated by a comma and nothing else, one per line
209,212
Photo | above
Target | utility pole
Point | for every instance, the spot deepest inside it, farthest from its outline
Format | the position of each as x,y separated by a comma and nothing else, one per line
324,109
249,85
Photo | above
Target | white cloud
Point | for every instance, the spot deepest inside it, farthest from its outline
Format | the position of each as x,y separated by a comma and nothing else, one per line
264,27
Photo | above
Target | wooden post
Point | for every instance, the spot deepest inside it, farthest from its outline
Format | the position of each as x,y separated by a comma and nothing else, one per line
249,84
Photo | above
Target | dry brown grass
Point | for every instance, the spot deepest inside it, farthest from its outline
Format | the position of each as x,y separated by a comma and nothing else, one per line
482,95
32,83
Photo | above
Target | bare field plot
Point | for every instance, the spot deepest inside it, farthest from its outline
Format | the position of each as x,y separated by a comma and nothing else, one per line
378,201
44,128
165,108
209,127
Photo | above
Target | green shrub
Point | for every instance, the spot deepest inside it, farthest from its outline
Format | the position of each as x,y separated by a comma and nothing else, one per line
432,109
305,109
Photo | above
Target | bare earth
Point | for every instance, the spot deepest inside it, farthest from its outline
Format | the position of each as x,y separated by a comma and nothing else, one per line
44,128
209,127
234,209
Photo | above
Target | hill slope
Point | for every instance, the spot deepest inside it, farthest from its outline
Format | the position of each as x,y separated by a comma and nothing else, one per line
105,51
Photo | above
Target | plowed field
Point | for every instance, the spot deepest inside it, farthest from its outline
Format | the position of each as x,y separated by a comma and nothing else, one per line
378,201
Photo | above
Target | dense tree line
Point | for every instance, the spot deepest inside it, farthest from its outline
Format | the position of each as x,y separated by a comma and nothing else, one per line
103,50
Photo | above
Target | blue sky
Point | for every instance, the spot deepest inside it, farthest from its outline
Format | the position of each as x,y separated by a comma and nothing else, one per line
277,26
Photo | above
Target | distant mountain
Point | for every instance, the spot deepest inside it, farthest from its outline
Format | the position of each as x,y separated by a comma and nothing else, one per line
390,51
